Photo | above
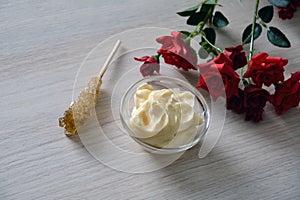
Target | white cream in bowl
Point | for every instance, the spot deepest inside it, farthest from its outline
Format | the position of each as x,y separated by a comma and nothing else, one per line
165,117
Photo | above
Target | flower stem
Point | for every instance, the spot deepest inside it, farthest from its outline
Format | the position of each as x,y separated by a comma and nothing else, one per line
201,25
261,22
251,41
156,57
252,30
218,50
199,28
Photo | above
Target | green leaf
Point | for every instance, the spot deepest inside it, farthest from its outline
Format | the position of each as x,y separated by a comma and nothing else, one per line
247,33
220,20
194,19
280,3
210,35
266,13
206,49
189,11
197,17
204,44
185,34
277,38
206,7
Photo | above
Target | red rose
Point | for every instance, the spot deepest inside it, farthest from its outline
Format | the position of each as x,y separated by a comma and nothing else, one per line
212,82
218,79
254,115
176,52
150,65
287,94
236,55
255,99
266,70
288,12
236,102
223,58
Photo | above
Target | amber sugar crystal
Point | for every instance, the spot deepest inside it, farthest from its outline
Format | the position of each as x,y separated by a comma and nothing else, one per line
81,110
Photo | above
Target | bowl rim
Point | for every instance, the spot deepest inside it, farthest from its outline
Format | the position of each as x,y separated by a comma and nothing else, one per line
167,150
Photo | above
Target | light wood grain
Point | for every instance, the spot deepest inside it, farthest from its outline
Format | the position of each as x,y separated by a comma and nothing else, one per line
42,46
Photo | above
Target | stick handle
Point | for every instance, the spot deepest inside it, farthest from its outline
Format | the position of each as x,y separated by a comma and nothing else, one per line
109,59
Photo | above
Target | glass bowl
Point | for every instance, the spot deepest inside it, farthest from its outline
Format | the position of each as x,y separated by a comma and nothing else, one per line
181,141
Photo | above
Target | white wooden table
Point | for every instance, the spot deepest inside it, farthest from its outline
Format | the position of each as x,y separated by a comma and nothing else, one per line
42,46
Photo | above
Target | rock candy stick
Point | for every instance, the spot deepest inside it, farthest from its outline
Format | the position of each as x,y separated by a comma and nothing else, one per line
81,110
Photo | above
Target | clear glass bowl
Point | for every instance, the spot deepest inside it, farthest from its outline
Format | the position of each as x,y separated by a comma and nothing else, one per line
164,82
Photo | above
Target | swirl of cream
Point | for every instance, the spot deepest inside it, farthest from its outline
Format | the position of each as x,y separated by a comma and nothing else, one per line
163,116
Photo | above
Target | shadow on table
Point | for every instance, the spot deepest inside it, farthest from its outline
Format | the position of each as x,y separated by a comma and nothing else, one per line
253,156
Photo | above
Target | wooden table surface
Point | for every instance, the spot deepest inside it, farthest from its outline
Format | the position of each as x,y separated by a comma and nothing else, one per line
42,46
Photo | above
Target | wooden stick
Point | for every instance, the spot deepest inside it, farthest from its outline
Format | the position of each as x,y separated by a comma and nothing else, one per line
108,60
